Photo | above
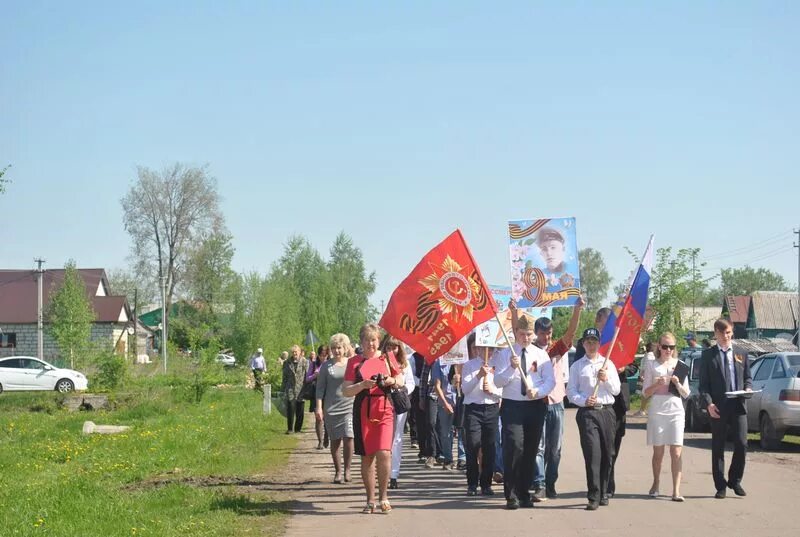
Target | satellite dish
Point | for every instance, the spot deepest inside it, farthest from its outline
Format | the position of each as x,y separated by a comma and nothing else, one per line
131,330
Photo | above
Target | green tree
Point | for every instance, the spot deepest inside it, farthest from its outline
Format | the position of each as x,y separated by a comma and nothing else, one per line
352,286
70,315
209,275
595,278
3,182
747,280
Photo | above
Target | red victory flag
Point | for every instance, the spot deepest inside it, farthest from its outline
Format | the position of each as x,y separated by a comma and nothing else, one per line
442,299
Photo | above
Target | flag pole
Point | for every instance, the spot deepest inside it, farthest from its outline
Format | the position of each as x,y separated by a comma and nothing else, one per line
524,376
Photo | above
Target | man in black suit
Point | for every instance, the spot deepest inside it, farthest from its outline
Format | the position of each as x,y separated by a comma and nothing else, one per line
722,370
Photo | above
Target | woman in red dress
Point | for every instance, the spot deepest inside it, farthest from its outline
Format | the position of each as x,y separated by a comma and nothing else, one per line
368,378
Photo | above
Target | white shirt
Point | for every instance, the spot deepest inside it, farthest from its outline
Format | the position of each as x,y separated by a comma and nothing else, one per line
583,379
408,378
542,380
472,386
257,362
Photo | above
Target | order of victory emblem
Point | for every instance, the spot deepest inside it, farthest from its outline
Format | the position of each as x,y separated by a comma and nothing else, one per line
451,289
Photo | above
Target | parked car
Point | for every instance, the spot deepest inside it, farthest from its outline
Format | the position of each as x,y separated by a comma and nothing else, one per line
696,413
28,373
775,411
228,360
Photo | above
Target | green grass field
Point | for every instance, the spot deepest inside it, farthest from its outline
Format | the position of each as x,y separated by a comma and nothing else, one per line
152,480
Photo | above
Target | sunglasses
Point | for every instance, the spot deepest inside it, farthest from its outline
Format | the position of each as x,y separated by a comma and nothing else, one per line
667,347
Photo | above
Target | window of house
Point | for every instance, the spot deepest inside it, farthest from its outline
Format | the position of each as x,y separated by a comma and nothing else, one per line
8,340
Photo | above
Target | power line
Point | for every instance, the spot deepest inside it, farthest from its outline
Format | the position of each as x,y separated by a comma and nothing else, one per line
768,242
760,257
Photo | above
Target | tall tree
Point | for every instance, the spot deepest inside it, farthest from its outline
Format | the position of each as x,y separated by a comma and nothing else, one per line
69,314
3,182
595,279
209,275
165,213
129,283
745,281
352,285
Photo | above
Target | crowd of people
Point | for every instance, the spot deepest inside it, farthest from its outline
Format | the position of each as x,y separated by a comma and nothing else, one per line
500,415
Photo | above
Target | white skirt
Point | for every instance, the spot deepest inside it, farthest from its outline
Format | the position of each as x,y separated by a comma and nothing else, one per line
665,421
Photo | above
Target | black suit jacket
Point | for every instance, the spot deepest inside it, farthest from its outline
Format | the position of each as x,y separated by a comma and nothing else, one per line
712,378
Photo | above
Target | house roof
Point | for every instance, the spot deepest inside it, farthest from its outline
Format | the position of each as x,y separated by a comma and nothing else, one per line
18,295
738,307
764,345
699,319
776,310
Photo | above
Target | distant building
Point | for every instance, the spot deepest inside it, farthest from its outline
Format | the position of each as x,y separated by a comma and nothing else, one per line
764,314
18,311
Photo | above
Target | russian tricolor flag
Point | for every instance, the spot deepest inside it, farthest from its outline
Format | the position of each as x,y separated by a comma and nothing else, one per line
628,315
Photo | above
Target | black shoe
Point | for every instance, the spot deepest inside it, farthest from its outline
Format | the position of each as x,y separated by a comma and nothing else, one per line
720,495
526,504
462,465
592,506
737,489
512,504
551,493
288,432
393,483
539,496
472,492
604,501
487,491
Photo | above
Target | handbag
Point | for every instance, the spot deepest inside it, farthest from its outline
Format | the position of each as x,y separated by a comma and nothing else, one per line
308,392
400,399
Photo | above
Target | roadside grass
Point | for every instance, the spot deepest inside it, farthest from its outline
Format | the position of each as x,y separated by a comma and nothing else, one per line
791,439
165,477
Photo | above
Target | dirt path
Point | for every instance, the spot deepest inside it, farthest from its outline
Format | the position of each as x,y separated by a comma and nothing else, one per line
433,502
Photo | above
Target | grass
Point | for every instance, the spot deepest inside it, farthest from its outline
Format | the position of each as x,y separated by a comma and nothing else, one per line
57,482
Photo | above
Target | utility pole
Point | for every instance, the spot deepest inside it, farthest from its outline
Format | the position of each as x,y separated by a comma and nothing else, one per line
164,321
797,313
135,324
39,314
694,292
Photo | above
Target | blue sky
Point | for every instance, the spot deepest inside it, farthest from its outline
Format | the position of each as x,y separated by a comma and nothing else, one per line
399,123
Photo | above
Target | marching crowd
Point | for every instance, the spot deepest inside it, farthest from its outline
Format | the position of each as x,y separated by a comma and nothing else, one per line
500,415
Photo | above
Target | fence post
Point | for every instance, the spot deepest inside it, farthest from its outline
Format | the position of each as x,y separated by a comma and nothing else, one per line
267,399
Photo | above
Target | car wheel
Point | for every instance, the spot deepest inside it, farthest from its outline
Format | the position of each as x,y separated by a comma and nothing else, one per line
65,386
770,439
1,388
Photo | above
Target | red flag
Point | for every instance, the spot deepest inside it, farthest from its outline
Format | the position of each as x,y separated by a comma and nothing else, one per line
442,299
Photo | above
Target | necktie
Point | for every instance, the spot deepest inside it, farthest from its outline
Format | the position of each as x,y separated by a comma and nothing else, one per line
524,363
731,381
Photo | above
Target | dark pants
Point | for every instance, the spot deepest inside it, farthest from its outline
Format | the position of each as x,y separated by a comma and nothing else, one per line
432,446
294,415
619,432
412,416
523,422
736,424
596,428
480,434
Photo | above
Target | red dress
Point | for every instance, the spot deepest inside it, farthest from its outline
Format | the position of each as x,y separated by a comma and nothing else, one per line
377,413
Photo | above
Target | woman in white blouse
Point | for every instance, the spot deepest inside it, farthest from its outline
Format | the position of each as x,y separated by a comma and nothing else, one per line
665,418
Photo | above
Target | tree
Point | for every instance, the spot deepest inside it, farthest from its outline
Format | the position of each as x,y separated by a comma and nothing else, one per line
3,182
69,314
165,213
352,286
595,278
208,273
747,280
126,282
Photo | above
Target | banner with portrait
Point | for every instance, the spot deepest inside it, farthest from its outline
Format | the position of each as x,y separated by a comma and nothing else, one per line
489,334
544,262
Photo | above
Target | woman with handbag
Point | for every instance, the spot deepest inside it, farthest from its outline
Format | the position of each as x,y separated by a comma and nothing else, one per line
393,345
369,378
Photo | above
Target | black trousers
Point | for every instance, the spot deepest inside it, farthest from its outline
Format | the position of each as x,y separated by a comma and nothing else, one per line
596,428
480,434
433,447
736,424
619,432
412,416
294,415
523,422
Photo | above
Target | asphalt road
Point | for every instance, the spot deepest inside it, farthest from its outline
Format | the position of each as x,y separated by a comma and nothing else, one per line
434,502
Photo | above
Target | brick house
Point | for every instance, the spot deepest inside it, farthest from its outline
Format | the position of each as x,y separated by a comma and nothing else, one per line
18,311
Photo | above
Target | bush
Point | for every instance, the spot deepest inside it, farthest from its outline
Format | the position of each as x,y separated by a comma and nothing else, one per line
111,371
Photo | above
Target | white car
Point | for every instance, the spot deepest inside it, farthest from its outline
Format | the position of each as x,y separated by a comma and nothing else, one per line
19,373
228,360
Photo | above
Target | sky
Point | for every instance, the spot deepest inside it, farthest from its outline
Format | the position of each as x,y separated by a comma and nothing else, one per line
399,123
